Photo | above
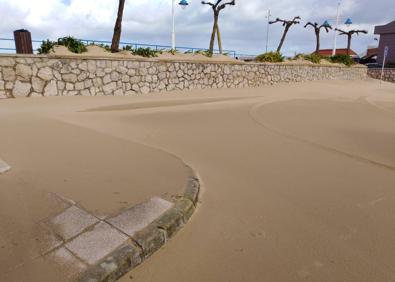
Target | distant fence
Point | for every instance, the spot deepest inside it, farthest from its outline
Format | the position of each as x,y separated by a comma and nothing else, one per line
7,45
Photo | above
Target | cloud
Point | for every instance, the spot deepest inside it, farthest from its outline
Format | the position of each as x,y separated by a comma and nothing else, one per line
243,26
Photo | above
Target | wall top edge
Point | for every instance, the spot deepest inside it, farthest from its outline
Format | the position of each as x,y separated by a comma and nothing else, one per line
154,60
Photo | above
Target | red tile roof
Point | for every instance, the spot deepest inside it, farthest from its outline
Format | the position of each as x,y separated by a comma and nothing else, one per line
372,52
328,52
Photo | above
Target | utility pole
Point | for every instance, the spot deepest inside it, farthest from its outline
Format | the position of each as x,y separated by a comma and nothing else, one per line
267,32
337,25
173,34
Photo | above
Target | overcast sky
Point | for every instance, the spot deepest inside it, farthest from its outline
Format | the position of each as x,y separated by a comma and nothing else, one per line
243,26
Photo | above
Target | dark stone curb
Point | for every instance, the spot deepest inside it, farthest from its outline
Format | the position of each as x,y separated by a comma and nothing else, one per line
147,241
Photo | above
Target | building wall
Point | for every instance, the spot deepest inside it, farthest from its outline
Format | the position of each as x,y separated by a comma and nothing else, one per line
387,40
38,76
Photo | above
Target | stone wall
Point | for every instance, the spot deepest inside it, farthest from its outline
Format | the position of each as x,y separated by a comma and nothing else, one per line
36,76
389,74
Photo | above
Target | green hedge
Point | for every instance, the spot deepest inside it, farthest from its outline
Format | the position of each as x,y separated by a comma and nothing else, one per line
271,57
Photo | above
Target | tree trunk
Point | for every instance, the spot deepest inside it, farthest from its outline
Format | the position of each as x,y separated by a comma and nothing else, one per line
212,40
317,48
118,28
349,44
219,40
283,39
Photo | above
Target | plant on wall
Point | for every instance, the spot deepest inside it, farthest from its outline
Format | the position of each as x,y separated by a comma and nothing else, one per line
74,45
46,47
270,57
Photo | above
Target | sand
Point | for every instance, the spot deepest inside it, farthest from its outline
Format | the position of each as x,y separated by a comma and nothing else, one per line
54,161
93,51
297,179
97,51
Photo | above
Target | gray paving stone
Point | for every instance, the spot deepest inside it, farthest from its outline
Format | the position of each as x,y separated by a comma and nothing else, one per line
66,264
45,240
140,216
72,222
4,167
96,244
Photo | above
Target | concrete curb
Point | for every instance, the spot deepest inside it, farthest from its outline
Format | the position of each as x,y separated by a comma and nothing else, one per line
4,167
147,241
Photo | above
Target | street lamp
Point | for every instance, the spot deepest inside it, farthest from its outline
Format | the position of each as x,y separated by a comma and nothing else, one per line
326,24
337,25
183,4
348,22
267,31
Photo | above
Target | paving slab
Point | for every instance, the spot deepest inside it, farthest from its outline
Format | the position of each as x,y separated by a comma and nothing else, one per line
66,263
45,240
96,244
140,216
72,222
4,167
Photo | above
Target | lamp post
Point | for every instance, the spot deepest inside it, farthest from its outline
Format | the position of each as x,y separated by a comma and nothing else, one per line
348,22
337,25
267,32
183,4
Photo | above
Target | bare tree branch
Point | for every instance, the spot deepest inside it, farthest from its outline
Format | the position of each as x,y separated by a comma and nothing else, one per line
351,32
222,6
349,35
287,24
317,31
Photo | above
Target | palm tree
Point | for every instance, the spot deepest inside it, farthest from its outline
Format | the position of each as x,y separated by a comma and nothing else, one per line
217,7
317,30
349,35
287,25
118,28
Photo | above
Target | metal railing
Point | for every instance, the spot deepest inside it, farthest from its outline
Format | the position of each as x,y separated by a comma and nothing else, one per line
7,45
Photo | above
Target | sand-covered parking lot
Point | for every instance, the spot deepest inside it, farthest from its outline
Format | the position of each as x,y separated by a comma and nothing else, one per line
297,179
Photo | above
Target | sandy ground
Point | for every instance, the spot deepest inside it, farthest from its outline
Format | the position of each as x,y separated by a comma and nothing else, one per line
297,179
97,51
53,161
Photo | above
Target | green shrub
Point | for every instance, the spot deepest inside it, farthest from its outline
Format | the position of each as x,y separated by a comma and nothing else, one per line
46,47
314,58
145,52
74,45
206,53
270,57
342,59
173,51
127,48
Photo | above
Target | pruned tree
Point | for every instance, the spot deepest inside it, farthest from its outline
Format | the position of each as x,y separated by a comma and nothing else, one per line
317,31
217,7
287,25
349,35
116,38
